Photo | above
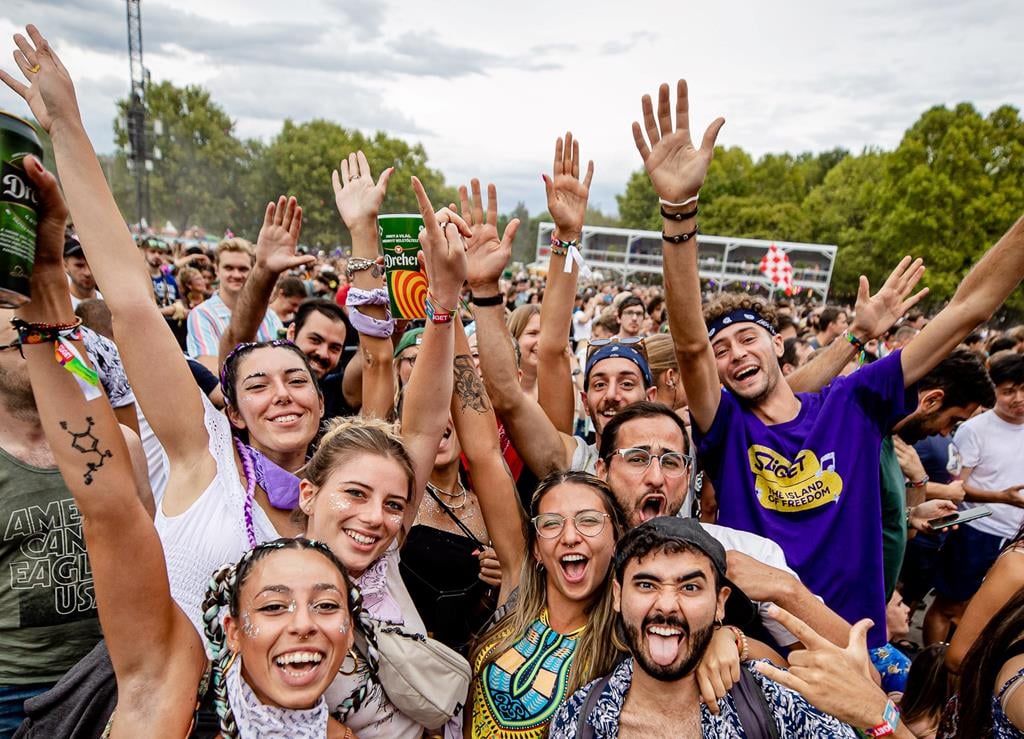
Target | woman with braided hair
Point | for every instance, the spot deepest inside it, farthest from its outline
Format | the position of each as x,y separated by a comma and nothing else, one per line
288,624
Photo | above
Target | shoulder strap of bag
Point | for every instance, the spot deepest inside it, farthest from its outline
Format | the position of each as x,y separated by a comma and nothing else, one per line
752,707
453,517
583,729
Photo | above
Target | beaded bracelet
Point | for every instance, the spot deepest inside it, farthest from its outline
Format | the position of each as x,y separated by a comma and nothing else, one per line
742,645
561,248
44,333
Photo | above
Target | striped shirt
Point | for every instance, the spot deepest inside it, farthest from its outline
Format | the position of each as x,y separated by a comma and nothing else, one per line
208,321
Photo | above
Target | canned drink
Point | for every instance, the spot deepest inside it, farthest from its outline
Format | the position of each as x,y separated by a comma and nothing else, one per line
19,214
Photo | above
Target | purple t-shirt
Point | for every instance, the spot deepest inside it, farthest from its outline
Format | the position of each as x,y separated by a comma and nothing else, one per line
812,484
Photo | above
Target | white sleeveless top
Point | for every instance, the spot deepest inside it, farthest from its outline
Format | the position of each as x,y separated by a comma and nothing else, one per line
211,533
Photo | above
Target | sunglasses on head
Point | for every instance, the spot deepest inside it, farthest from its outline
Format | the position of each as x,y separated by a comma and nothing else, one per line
637,342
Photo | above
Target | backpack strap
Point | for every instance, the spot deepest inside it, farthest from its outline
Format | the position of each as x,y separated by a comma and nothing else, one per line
751,705
583,729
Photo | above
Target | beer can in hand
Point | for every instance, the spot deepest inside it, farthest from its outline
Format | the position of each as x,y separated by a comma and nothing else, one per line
19,213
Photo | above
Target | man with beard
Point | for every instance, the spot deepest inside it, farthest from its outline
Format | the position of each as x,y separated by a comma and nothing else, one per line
670,594
800,469
208,321
644,458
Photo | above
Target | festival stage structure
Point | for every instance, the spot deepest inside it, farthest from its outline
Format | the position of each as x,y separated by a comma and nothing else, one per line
724,261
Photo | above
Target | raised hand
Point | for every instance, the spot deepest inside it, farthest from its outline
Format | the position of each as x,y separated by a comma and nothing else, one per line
874,314
676,168
279,237
443,252
832,679
567,194
50,93
357,196
48,269
486,254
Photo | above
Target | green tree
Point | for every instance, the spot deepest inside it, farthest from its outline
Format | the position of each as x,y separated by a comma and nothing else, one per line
194,179
299,162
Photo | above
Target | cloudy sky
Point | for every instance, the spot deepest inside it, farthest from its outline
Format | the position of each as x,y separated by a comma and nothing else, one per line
486,87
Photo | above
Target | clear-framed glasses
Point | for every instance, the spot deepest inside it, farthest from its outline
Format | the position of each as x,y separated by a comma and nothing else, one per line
588,523
673,464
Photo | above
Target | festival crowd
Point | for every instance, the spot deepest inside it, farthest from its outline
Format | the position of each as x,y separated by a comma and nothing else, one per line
245,501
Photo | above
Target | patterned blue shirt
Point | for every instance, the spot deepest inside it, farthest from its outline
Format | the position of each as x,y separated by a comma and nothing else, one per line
794,716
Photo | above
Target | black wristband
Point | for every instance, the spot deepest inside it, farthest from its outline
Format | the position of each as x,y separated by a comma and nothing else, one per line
497,299
680,238
679,216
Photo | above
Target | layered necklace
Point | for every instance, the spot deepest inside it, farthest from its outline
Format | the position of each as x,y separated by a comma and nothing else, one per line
455,500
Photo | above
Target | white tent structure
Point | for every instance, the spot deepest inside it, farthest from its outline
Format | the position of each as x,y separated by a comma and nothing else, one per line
723,260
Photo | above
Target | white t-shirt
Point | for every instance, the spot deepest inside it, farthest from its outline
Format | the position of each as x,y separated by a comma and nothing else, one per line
994,451
584,457
766,552
582,325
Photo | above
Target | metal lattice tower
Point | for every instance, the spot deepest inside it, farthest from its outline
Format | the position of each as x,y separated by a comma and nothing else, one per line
136,116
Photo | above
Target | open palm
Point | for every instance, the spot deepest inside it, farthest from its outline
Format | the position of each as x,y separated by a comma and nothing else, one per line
279,237
567,194
677,169
50,93
487,254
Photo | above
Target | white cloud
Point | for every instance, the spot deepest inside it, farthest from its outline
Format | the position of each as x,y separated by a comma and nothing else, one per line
486,88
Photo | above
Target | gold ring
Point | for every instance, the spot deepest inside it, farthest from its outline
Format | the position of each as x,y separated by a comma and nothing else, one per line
33,69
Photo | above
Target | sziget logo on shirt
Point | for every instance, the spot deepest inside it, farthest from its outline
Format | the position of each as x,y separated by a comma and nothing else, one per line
800,485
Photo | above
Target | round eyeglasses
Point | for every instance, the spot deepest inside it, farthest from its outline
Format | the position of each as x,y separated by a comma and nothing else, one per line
588,523
673,464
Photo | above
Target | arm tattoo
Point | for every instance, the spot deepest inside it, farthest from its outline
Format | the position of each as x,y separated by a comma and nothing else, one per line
468,386
84,442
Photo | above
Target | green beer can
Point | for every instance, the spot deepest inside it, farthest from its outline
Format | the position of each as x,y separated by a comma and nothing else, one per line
18,209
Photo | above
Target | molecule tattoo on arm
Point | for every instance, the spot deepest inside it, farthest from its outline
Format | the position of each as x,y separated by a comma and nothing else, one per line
84,442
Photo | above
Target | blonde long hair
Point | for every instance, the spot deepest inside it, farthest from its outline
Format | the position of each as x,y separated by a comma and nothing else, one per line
594,655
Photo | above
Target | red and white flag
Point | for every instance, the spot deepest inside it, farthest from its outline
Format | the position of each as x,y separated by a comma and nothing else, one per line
776,267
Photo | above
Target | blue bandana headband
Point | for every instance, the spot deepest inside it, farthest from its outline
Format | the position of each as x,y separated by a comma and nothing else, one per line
616,350
740,315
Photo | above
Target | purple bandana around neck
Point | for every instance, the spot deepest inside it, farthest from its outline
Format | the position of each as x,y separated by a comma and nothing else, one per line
281,486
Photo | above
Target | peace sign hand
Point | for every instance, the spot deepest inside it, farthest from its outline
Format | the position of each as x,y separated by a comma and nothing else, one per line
50,93
677,169
487,255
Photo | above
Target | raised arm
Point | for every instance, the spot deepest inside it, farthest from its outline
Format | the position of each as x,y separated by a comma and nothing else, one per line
150,352
677,172
873,315
358,199
984,289
477,430
151,642
567,198
542,447
275,254
429,392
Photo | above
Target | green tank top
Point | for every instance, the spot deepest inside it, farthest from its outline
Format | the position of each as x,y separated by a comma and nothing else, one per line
47,605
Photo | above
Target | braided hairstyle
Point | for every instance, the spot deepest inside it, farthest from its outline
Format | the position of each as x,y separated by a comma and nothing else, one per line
224,589
371,654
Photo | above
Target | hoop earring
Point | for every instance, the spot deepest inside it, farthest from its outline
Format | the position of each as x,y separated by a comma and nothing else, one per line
355,663
231,662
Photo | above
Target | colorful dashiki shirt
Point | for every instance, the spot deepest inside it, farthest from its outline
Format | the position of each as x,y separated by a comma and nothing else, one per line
515,696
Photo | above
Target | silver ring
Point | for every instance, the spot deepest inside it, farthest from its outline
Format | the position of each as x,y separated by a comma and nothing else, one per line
353,177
